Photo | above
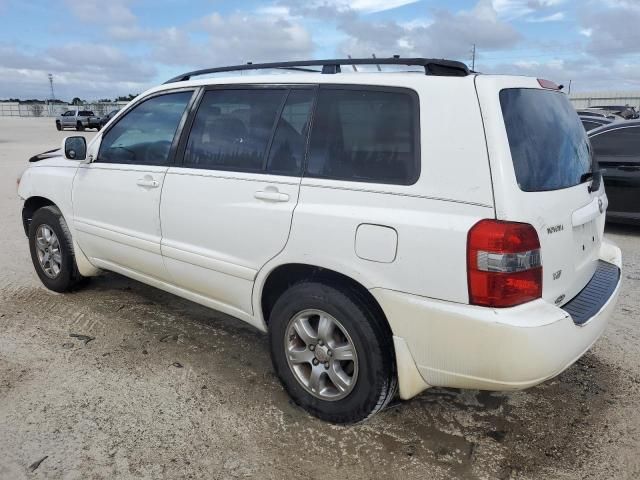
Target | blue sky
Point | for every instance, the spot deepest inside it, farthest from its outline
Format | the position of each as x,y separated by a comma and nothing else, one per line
105,48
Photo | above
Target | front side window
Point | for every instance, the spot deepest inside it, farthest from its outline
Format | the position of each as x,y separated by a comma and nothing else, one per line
232,129
549,146
145,134
365,136
621,145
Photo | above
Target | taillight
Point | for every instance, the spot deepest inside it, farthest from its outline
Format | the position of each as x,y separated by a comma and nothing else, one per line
504,266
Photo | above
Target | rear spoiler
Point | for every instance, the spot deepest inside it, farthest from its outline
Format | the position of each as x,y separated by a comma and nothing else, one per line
48,154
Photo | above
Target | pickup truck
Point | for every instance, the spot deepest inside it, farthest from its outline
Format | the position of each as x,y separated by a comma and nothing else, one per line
78,119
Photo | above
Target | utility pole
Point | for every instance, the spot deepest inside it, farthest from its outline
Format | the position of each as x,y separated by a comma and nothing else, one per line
569,92
53,95
473,57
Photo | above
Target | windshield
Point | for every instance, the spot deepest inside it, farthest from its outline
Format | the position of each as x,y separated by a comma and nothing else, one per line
549,146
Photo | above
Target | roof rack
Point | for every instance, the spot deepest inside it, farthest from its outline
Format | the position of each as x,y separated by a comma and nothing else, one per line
432,66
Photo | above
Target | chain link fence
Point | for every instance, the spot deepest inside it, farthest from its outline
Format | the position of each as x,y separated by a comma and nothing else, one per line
17,109
594,99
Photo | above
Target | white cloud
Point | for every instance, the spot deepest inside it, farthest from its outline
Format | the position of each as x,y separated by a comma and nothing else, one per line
365,6
554,17
100,11
512,9
446,34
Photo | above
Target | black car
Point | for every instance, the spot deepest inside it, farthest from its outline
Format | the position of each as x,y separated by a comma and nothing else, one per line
617,149
590,122
625,111
107,117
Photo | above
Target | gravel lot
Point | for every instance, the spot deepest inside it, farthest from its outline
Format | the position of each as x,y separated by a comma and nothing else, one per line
168,389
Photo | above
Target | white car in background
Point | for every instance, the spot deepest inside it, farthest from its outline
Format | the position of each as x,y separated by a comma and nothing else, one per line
386,242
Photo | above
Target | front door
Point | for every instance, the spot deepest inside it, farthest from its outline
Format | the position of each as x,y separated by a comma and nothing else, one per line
226,210
116,198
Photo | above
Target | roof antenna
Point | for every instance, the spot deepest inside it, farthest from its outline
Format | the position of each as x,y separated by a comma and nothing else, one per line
377,64
354,67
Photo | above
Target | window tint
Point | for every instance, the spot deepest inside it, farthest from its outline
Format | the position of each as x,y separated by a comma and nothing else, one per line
85,113
365,136
549,146
232,129
590,125
144,135
619,145
287,149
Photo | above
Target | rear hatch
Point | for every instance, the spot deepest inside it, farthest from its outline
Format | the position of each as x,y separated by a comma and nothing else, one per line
541,164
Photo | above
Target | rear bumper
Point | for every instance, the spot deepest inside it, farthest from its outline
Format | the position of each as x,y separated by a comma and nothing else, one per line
464,346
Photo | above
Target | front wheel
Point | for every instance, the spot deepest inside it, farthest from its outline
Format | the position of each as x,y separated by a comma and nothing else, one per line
79,127
332,352
51,250
58,126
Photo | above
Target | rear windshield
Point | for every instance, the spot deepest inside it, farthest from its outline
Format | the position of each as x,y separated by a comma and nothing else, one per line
549,146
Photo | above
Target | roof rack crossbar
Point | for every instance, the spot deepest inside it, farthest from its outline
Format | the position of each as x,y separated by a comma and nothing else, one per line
432,66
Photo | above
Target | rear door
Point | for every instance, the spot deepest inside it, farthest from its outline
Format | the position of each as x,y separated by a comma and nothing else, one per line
618,153
226,210
68,119
540,160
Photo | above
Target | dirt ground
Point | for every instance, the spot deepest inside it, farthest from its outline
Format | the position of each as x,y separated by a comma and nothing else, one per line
169,389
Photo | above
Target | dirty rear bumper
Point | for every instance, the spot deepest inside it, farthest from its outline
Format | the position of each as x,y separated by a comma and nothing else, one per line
465,346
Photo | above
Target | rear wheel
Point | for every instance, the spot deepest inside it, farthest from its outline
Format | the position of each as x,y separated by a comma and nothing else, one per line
79,126
51,250
332,352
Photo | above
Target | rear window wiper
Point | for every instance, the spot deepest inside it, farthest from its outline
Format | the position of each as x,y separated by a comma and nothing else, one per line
595,176
585,177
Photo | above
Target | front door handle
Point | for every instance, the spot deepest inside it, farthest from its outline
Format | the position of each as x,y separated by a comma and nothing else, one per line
271,194
148,183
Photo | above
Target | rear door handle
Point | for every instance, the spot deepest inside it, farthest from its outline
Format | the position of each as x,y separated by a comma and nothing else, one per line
271,195
148,183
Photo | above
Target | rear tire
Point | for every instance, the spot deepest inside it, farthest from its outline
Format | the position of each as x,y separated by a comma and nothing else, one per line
318,374
51,250
79,127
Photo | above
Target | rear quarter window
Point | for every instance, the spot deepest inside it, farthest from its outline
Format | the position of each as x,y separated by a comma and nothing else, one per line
364,134
549,145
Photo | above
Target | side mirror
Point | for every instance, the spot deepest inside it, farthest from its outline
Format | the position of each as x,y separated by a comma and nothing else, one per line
75,148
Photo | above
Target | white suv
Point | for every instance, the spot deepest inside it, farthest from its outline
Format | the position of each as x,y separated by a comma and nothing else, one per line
391,231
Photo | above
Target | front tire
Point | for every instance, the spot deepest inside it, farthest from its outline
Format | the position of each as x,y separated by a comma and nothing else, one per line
58,126
332,352
51,250
79,127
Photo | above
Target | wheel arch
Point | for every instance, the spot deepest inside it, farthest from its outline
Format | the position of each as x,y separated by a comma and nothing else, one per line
280,277
283,276
31,205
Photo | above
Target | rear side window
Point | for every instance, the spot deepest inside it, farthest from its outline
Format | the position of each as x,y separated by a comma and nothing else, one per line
232,129
289,142
145,134
549,146
619,145
365,136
